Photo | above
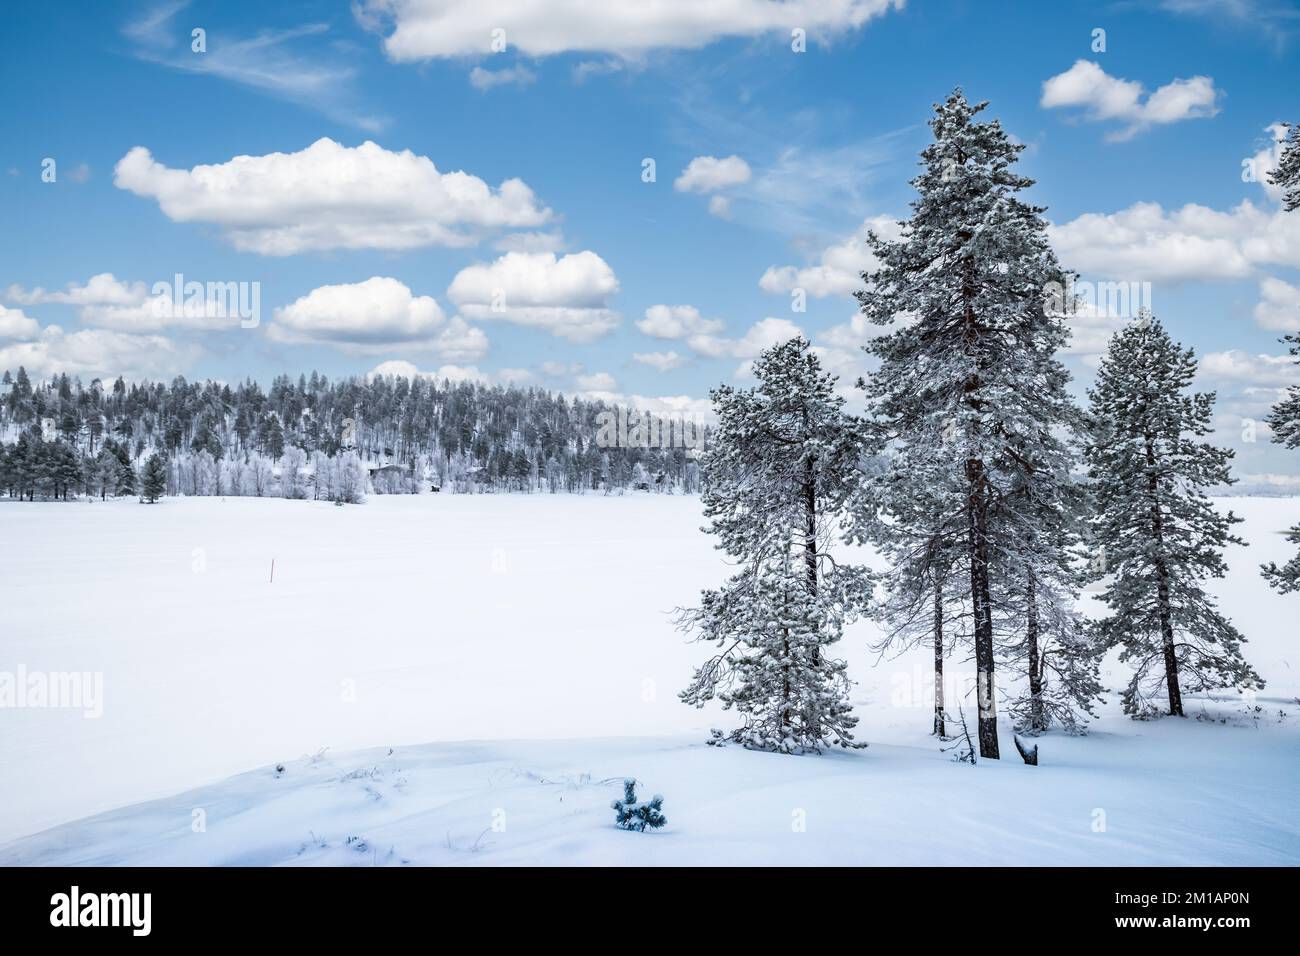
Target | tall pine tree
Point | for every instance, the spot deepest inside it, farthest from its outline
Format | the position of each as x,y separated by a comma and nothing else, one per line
969,381
1160,533
783,462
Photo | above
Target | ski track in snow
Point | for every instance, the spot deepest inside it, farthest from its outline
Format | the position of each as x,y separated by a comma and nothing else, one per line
531,637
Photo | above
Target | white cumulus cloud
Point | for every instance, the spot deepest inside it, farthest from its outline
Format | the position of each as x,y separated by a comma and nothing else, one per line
330,196
101,289
99,353
400,368
706,174
105,301
1259,370
14,324
839,267
1266,160
566,296
1148,243
1278,308
1108,98
428,29
759,336
597,382
677,322
660,361
376,315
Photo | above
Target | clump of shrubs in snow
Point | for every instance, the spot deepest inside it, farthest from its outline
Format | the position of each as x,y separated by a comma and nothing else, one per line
630,814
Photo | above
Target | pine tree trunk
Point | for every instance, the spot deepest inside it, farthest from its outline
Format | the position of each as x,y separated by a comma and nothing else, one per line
810,532
1037,722
810,525
1167,639
1162,586
938,657
977,519
785,688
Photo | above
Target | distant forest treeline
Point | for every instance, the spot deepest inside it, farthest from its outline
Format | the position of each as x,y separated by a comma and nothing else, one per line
62,438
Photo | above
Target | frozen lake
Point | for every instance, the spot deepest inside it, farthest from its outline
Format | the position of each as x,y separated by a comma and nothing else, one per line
515,618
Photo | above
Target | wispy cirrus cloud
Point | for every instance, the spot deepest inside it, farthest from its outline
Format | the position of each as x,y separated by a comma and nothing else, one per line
660,361
484,80
804,180
1275,20
272,61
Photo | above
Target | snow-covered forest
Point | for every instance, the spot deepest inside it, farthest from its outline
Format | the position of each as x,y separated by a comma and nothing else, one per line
314,438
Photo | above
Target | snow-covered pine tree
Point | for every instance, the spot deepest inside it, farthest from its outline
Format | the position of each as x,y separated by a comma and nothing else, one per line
271,434
776,479
968,371
154,481
633,814
1161,534
125,474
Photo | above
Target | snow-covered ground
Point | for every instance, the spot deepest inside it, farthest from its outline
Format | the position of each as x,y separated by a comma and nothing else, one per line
467,679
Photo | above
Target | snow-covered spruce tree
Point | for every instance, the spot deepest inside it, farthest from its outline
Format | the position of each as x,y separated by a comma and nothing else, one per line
154,481
968,372
126,477
1162,536
784,459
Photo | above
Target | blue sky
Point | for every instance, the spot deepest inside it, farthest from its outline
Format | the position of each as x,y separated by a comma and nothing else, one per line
518,241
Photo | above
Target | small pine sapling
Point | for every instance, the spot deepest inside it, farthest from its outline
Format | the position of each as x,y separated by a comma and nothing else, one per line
630,814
